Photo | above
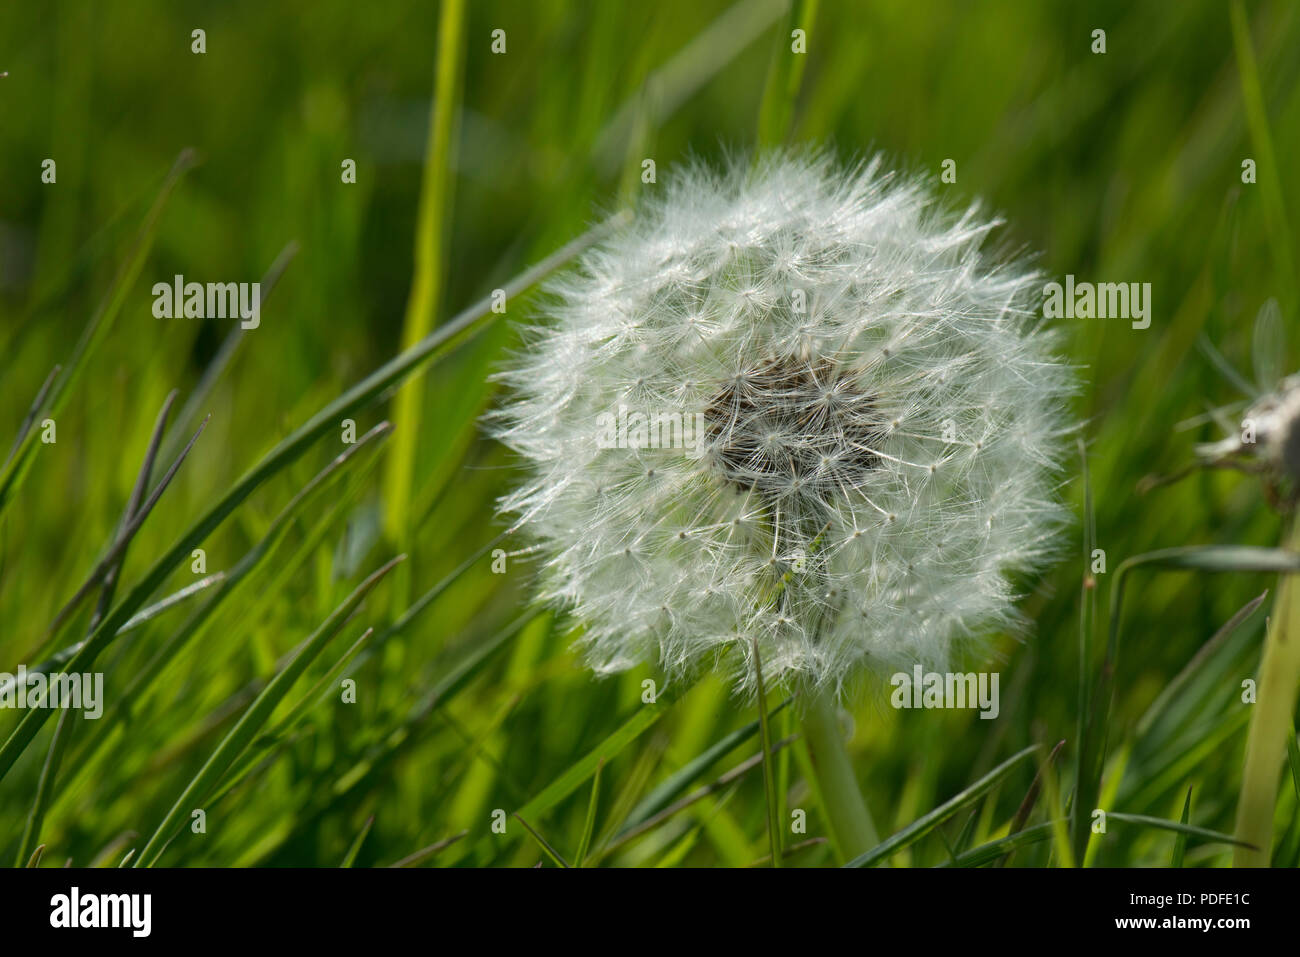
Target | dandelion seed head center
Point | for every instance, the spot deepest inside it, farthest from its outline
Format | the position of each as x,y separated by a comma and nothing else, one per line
794,425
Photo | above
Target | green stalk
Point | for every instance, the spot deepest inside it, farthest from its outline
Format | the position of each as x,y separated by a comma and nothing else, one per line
427,280
851,827
1270,723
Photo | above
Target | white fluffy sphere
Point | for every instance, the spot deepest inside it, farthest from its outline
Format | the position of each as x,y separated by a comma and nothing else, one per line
791,403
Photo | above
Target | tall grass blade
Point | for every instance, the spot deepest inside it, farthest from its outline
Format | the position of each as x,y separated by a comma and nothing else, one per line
351,857
769,779
15,468
1205,558
430,264
1180,842
589,825
258,712
785,73
928,822
283,455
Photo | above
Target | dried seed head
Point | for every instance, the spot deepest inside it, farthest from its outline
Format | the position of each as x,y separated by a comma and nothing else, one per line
1269,438
792,403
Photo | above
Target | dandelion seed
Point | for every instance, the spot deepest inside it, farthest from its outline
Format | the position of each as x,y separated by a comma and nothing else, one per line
873,391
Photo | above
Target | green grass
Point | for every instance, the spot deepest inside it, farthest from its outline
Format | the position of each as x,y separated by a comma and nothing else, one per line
479,171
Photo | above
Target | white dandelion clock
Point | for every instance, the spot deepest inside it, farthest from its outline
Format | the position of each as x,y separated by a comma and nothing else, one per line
794,408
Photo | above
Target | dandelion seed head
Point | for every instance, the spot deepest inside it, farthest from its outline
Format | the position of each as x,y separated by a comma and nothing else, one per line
1274,434
881,423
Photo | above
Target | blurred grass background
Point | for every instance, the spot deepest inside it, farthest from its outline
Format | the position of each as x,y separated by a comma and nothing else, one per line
1124,166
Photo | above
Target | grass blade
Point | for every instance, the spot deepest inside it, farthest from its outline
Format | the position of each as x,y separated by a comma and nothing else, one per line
132,507
550,852
32,412
280,734
146,614
1031,798
1180,842
50,770
784,74
578,773
928,822
1178,827
425,853
1003,846
377,758
1171,690
1205,558
250,561
1293,757
769,781
1252,95
684,73
212,374
1272,722
119,546
1287,853
258,712
430,263
677,783
631,729
723,781
15,468
589,826
287,452
351,857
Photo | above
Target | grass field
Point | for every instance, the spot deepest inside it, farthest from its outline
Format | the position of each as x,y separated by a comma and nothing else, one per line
466,705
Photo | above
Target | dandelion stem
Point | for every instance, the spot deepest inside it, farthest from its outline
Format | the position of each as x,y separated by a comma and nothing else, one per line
1270,723
851,827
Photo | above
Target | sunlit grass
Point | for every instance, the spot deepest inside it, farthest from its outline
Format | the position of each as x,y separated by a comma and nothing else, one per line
469,702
